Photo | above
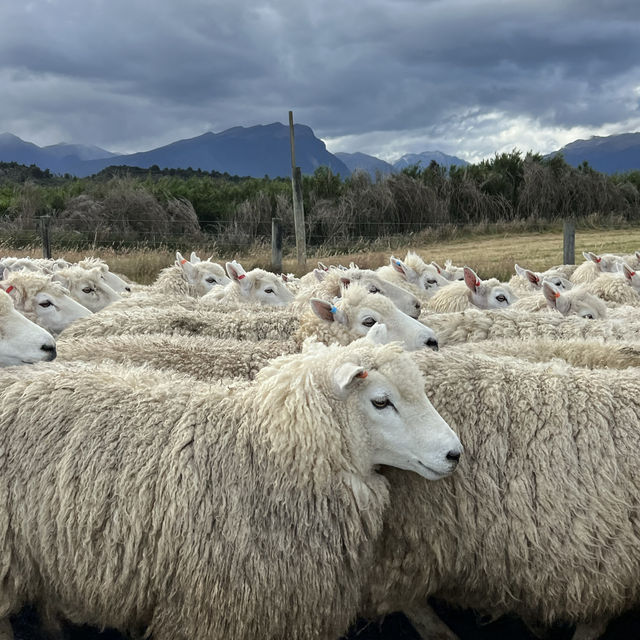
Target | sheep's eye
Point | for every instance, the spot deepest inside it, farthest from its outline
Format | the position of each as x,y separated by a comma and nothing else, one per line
588,315
87,290
381,403
374,289
46,303
210,280
369,321
431,281
501,298
268,290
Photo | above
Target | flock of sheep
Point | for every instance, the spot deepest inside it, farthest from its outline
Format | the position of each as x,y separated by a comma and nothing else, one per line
233,454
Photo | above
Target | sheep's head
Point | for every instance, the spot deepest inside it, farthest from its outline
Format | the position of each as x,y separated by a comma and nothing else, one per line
358,311
632,276
46,303
87,287
202,275
450,271
607,262
21,340
488,294
576,302
416,272
535,279
259,286
112,280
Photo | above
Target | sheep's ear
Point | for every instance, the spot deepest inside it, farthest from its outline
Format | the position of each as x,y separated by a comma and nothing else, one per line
346,373
237,274
409,274
378,334
471,279
327,311
532,277
589,255
322,266
554,298
345,282
284,277
319,274
437,266
638,255
189,270
519,270
179,258
194,258
5,273
628,271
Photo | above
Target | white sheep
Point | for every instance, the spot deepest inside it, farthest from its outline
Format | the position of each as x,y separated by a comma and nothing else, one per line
594,266
333,281
190,278
21,341
87,287
413,274
526,282
44,302
619,288
112,279
254,287
450,271
577,301
473,292
541,519
157,504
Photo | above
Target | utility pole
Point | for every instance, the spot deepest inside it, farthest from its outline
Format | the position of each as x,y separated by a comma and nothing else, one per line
298,206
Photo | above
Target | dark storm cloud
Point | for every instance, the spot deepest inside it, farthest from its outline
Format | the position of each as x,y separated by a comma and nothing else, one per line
132,75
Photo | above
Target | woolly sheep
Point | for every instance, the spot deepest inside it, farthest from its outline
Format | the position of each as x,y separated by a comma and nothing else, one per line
86,287
450,271
334,280
190,278
157,504
473,292
526,282
593,354
113,280
44,302
541,519
413,274
618,288
474,325
593,266
22,341
352,316
578,302
254,287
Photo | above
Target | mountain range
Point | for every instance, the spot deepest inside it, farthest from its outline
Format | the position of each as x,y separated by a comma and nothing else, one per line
264,150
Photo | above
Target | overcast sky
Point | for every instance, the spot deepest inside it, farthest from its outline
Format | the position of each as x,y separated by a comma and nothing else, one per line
385,77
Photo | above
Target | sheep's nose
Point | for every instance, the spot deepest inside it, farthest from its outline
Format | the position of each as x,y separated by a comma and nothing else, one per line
50,349
128,289
432,343
418,306
454,456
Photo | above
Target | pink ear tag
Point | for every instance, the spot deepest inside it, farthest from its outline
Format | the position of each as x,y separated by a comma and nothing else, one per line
556,294
242,276
9,289
183,261
477,283
598,259
362,374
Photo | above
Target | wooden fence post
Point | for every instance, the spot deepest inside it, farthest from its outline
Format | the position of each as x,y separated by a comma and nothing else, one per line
276,245
569,243
298,206
46,240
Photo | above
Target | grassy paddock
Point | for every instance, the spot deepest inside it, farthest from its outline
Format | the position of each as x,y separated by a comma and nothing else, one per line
489,252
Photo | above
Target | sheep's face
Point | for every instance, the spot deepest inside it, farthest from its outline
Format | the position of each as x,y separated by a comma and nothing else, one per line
204,276
22,341
632,277
404,300
358,314
576,302
430,281
87,287
560,283
115,282
56,311
424,276
403,429
270,290
607,262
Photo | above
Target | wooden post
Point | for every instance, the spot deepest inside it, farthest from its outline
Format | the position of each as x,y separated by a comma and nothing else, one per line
569,244
298,206
276,245
46,240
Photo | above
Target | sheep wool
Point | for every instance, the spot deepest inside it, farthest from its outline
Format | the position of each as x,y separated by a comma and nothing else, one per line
614,287
543,517
153,503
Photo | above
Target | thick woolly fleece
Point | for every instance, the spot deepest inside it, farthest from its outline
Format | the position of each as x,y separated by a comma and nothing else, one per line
200,356
171,279
593,354
241,324
457,296
614,287
146,501
498,324
576,301
542,517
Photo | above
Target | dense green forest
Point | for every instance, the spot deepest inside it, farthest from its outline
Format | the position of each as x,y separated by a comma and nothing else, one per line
127,203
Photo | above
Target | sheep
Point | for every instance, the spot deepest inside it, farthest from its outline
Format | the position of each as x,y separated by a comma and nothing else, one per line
450,271
21,340
44,302
473,292
421,279
593,354
334,280
113,280
593,266
541,519
619,288
156,504
86,287
474,325
577,301
526,282
190,278
255,287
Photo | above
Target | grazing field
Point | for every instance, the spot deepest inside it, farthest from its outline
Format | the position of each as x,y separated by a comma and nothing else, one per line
491,255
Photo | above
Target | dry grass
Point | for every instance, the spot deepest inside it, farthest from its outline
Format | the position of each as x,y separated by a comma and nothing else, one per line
490,255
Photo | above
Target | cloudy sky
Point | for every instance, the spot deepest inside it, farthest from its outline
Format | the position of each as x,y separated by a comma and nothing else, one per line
385,77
